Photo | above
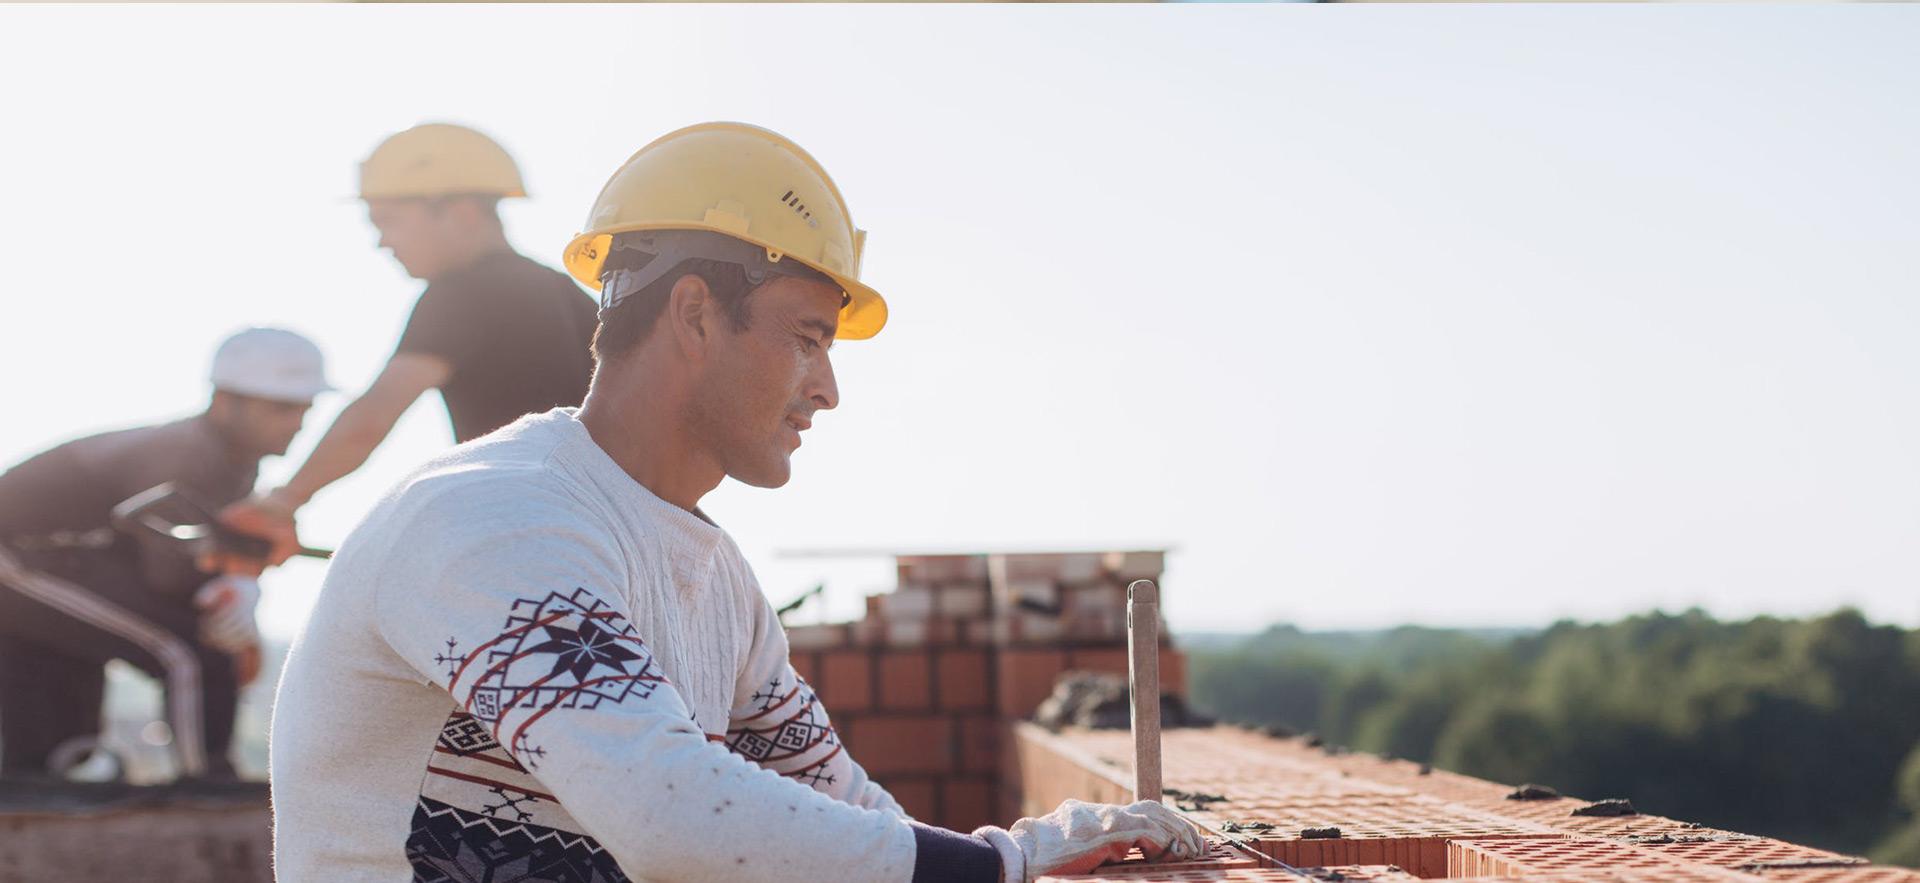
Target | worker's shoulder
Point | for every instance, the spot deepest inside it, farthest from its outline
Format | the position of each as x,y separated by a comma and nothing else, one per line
508,274
515,476
144,447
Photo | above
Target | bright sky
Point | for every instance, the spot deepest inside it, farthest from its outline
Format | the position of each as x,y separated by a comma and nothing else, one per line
1440,314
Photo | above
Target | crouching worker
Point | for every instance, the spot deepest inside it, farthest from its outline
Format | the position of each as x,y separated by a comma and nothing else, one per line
538,658
75,593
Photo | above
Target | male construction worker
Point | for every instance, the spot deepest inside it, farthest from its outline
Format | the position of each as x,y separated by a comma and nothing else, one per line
537,656
76,593
498,334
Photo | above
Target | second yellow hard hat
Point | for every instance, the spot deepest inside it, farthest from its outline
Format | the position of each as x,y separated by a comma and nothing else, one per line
439,159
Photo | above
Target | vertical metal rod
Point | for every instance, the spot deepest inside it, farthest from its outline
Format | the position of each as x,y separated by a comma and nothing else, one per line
1143,685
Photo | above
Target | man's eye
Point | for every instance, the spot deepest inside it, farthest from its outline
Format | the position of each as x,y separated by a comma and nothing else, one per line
810,343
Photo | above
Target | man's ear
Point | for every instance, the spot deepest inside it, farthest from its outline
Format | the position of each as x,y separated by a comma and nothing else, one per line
689,314
466,212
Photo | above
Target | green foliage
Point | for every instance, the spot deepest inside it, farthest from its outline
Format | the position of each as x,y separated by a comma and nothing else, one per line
1807,730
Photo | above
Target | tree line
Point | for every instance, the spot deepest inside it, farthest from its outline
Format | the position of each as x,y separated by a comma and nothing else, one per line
1806,730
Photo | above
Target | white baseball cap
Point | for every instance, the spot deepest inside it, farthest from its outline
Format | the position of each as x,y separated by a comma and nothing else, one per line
270,363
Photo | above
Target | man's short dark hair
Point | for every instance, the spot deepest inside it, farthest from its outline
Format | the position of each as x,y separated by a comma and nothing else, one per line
632,319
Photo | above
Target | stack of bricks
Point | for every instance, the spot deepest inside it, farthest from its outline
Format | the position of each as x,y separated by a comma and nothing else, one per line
925,688
1284,809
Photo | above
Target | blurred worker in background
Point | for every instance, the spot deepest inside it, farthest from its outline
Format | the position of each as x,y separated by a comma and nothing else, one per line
498,334
538,659
76,593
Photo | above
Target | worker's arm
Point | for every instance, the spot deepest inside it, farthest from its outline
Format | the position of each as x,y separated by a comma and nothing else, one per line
360,428
781,725
546,658
363,425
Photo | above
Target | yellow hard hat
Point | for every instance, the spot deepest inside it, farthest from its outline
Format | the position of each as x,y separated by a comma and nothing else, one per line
439,159
747,183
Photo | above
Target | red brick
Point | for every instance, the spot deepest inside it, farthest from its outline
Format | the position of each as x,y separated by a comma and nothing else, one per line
1223,875
917,797
1095,612
906,681
1676,874
1036,592
984,632
910,633
913,634
807,666
846,681
907,602
964,601
918,744
1037,629
1129,566
1557,813
1024,568
963,680
1868,874
927,570
1738,851
1112,660
1524,857
1023,677
1173,672
966,804
869,632
1080,567
944,632
817,637
981,739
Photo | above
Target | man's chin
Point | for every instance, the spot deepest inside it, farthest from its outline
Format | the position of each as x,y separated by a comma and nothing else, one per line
770,475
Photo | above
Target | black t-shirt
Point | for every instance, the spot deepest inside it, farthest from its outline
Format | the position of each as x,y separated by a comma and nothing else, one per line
516,335
71,490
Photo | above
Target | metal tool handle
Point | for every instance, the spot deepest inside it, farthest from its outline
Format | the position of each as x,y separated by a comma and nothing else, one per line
149,510
1143,685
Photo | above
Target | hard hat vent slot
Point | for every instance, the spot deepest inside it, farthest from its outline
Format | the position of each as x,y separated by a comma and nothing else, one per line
799,208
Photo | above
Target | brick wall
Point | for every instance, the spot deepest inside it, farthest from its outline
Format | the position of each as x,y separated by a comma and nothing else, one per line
924,688
1270,804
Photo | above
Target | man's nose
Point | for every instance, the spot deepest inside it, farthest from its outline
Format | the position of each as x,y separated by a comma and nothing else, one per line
826,390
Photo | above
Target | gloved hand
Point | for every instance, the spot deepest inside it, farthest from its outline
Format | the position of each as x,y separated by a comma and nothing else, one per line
267,516
876,798
226,613
1078,837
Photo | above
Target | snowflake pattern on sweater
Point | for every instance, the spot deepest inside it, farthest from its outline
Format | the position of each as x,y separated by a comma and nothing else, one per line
561,651
482,810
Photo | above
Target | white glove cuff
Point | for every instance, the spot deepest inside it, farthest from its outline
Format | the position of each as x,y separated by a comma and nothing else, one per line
1013,860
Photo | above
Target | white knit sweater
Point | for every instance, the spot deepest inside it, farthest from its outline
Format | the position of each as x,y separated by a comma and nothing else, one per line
523,591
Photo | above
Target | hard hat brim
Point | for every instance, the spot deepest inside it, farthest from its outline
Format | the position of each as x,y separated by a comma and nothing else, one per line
864,314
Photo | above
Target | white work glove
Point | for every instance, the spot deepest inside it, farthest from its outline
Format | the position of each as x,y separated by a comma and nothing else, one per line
226,613
1078,837
875,797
